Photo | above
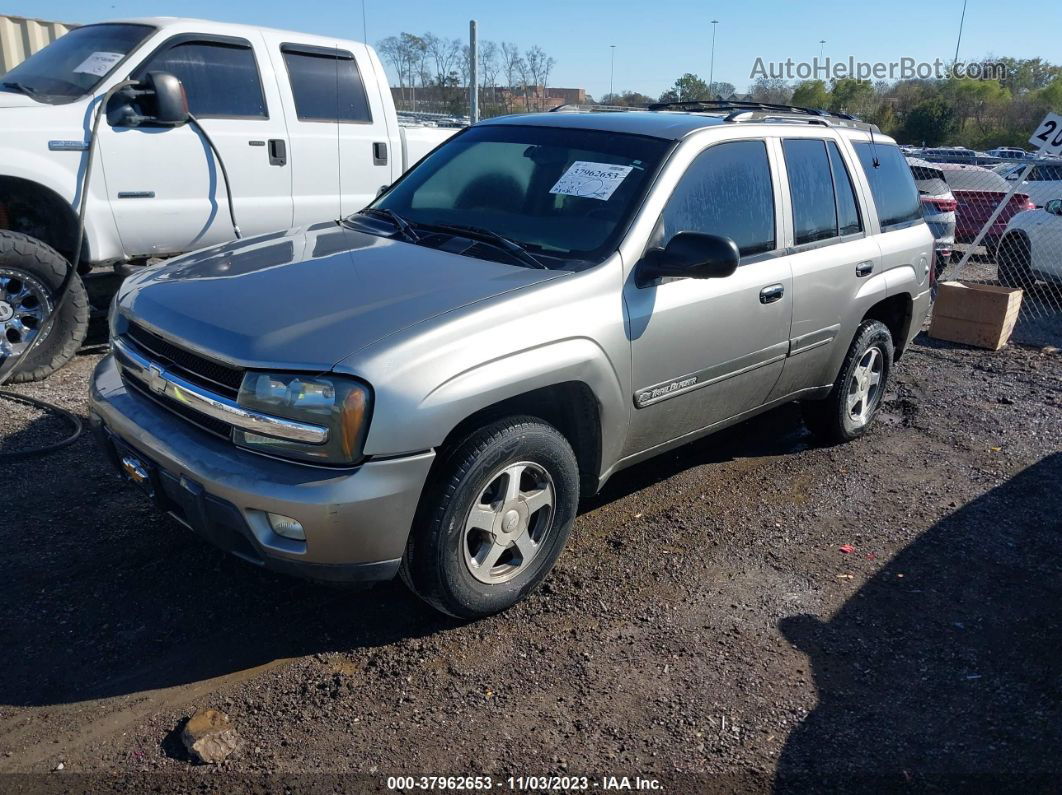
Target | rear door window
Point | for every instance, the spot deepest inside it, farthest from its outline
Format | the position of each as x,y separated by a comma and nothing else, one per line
891,184
726,191
220,78
848,221
811,189
326,84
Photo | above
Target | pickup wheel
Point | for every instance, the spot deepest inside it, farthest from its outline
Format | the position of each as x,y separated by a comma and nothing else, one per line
30,275
1015,267
846,413
494,519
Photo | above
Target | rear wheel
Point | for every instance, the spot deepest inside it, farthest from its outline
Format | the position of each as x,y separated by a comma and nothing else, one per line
494,520
1015,262
30,275
847,412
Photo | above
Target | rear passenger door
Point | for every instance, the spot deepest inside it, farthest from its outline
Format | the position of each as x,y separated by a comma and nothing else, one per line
832,257
340,153
705,350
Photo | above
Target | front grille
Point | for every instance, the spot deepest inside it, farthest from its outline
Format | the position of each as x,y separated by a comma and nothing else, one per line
209,424
217,377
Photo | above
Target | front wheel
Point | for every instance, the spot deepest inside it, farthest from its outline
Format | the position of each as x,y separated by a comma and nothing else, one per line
494,519
30,274
847,412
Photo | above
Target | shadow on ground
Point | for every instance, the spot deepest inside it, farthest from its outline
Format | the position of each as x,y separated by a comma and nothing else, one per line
966,621
103,596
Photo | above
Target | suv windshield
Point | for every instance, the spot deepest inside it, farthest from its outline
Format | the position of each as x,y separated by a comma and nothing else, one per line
75,63
565,195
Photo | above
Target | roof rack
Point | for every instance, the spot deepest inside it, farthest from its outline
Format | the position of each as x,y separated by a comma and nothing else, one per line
744,111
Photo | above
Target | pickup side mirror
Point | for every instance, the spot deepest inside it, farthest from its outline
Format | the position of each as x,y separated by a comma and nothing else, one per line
158,99
690,255
1054,207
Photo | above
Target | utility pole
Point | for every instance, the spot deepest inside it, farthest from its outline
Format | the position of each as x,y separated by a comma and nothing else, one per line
962,19
612,75
711,69
364,24
822,43
473,73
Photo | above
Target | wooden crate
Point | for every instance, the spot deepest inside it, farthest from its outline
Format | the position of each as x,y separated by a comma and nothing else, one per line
982,315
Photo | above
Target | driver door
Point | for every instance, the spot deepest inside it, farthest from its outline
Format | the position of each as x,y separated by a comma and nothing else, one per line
704,350
164,183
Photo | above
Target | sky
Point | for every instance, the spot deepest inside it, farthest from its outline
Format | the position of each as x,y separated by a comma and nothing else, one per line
655,40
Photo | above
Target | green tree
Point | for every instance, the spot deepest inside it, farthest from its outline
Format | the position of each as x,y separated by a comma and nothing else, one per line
686,88
929,122
811,94
852,96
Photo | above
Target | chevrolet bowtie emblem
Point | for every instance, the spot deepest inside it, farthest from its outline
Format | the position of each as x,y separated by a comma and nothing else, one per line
155,380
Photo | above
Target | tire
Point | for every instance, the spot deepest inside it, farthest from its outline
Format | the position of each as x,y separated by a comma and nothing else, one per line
1015,262
30,274
448,560
832,419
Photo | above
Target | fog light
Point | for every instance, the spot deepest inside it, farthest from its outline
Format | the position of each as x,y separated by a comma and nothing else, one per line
287,527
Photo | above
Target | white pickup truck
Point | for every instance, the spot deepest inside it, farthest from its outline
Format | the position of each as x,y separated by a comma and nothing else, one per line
304,124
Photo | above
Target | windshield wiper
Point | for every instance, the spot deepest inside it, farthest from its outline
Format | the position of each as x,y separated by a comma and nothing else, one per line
404,227
510,247
22,88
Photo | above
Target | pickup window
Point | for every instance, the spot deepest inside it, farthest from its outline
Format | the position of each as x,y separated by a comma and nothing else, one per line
326,84
220,78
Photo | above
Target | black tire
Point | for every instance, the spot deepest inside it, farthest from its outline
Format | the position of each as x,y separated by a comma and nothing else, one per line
1015,262
20,254
830,419
435,566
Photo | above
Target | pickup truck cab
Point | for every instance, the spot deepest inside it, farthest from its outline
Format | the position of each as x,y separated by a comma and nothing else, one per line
429,386
304,124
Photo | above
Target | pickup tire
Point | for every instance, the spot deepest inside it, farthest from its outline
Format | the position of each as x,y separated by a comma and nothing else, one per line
30,274
847,412
1015,262
493,519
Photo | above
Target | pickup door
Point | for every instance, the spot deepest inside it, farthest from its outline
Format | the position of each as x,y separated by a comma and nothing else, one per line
164,183
339,146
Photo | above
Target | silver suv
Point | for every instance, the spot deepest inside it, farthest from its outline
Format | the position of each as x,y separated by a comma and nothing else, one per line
429,386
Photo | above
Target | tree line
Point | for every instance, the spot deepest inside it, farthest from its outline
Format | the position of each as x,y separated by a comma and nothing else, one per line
434,73
969,112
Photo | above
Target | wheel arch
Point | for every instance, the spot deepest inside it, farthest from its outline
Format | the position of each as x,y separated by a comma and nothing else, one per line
896,312
38,211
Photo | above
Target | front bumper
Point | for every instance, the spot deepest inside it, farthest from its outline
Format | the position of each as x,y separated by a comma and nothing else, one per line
356,521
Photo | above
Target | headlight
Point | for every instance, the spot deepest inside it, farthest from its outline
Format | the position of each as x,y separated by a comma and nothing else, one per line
339,404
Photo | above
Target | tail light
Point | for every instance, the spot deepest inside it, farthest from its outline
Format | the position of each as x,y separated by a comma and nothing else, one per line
941,205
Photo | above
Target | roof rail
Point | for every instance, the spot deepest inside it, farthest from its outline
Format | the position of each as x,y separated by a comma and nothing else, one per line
575,107
747,111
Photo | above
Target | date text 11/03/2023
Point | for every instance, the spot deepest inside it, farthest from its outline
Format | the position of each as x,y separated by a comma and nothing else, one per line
524,783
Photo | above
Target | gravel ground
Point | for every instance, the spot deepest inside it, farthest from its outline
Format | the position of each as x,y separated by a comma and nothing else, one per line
703,626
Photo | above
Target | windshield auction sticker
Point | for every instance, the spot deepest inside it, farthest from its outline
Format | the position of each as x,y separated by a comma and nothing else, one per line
99,63
591,180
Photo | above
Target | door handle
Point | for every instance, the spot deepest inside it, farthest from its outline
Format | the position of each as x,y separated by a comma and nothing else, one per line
864,269
379,153
771,293
278,152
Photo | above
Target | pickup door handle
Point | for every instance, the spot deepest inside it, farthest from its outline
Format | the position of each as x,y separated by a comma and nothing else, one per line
864,269
278,152
379,153
771,293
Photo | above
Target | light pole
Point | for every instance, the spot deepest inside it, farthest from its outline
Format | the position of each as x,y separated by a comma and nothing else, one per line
962,19
711,68
612,75
822,43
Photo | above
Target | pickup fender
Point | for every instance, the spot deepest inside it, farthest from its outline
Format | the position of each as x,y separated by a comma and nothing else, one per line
61,172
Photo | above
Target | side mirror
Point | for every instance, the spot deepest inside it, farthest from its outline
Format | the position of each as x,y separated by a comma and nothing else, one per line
691,255
159,98
1054,207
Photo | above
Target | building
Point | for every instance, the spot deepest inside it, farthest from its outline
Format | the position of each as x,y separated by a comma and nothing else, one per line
20,37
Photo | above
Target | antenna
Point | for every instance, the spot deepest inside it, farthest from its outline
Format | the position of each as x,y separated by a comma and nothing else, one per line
339,143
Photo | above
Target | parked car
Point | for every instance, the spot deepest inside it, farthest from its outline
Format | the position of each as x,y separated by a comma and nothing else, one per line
1009,153
305,125
1031,248
1044,182
938,206
952,154
430,385
978,191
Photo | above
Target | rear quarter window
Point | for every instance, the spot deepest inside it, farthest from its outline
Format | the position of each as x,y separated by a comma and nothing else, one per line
891,184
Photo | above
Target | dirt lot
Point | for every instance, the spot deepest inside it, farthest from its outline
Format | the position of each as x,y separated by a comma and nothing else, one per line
702,627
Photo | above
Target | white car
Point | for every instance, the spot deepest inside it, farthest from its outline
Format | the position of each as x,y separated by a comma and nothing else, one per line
1043,184
1008,153
1031,247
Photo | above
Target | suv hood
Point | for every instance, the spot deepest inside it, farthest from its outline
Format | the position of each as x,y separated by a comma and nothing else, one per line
308,298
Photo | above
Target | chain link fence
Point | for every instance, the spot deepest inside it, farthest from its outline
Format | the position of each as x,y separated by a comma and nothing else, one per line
999,221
